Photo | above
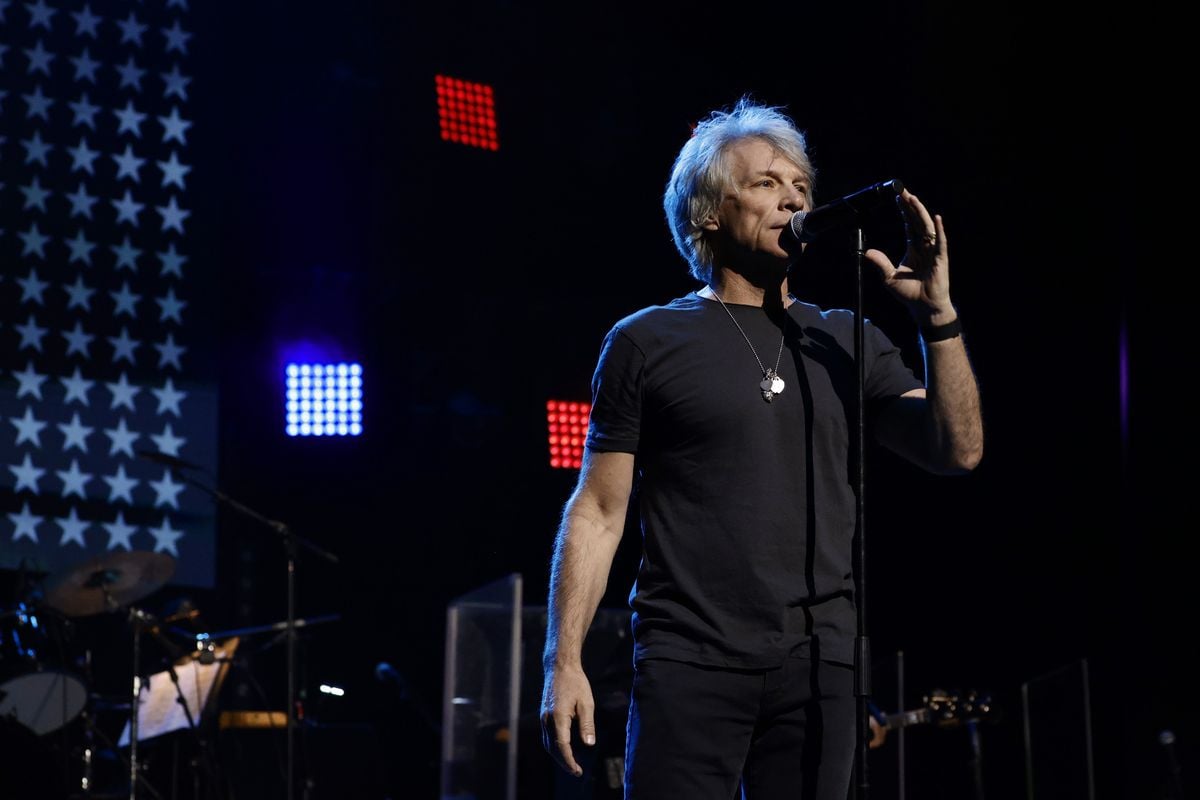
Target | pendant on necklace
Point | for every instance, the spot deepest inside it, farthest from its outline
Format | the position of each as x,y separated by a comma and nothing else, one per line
771,385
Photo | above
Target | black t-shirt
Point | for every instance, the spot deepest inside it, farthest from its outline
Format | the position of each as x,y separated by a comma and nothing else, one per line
747,507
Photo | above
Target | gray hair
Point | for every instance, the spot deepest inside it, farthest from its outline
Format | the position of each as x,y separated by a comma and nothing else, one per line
700,176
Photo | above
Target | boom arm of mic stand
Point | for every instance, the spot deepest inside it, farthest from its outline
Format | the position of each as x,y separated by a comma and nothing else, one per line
280,528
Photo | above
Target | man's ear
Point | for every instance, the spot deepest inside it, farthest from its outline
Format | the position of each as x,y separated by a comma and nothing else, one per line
710,223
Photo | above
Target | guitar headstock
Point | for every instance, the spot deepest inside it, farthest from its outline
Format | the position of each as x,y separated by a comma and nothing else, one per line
958,707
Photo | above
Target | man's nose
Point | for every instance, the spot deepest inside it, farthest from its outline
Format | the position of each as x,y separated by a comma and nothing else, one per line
793,200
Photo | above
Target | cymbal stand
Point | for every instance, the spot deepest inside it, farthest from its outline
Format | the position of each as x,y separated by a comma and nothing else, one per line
100,580
291,546
91,732
133,707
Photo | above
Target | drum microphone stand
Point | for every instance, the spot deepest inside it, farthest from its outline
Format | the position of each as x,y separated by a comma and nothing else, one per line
291,545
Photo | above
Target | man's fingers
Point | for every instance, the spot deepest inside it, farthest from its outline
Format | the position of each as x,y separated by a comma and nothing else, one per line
882,263
587,725
567,758
940,227
562,744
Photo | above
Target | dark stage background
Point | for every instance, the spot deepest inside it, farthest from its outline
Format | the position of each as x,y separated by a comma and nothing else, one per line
475,285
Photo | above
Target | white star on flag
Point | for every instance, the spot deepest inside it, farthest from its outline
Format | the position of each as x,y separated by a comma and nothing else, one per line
127,254
73,480
29,428
25,524
169,352
166,491
169,398
172,262
76,388
31,334
85,22
80,294
119,532
83,157
78,340
124,301
165,537
72,528
27,475
120,485
170,307
122,438
30,382
123,393
123,346
167,442
81,250
32,288
75,434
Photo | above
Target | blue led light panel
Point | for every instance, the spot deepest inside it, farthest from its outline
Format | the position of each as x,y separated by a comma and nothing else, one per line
324,399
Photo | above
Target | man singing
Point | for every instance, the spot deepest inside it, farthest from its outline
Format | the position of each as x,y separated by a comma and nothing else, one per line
734,407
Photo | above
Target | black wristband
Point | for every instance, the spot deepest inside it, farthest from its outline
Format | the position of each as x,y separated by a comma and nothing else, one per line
942,332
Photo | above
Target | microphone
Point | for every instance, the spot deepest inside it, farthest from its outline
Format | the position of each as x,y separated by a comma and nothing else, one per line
808,225
387,674
1167,740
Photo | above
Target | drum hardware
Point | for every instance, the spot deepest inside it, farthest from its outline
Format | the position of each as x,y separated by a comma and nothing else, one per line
276,627
37,689
88,790
111,583
108,582
292,546
143,622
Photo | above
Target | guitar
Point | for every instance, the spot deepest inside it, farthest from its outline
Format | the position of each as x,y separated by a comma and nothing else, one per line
942,709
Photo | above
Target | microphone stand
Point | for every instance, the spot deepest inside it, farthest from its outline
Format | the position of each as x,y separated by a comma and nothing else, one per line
862,644
291,545
804,226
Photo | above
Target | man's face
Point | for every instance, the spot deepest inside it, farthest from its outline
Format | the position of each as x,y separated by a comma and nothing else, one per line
766,189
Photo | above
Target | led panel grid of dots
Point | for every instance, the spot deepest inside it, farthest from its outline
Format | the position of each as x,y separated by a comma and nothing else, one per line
324,399
566,428
467,112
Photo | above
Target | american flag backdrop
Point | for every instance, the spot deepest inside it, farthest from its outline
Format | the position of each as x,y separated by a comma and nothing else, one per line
102,340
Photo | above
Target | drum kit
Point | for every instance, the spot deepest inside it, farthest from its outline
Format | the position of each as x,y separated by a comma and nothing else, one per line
45,680
44,685
52,742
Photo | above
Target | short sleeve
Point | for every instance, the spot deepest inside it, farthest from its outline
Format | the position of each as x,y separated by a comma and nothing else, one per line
888,377
616,419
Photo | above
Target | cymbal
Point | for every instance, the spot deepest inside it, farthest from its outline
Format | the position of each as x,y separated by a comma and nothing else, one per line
108,582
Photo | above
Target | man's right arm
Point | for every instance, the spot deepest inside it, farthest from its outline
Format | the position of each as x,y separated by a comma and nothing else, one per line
593,521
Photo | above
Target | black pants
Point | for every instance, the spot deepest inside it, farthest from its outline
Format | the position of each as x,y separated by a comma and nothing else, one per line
698,733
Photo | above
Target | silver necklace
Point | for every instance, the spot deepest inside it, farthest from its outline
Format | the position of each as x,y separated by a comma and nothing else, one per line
771,384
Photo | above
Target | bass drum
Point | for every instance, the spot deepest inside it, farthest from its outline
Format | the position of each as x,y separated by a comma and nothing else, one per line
34,690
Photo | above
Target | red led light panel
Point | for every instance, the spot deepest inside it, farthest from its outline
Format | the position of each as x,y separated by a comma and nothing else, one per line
566,428
467,112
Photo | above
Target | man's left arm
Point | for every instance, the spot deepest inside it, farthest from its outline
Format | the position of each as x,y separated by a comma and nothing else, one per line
940,427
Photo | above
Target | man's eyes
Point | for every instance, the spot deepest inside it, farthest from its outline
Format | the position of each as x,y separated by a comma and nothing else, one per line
769,183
